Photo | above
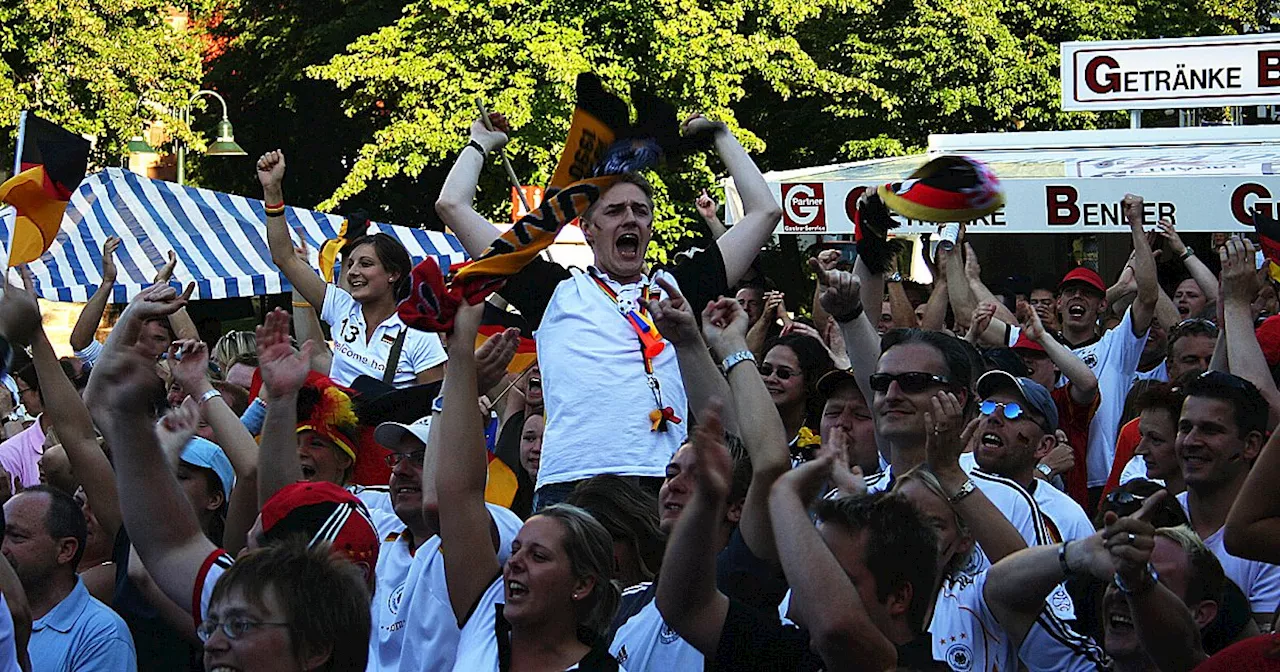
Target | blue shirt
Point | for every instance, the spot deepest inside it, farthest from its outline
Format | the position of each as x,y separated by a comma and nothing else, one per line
81,634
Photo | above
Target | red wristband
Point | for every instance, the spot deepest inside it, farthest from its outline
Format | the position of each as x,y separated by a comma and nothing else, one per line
273,206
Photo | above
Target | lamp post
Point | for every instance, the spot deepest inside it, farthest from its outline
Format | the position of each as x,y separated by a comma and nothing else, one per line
224,145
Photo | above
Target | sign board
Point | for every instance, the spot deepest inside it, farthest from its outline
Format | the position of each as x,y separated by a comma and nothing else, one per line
532,194
1198,204
1171,73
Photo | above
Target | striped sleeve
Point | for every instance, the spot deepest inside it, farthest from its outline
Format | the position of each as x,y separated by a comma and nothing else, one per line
211,570
1051,645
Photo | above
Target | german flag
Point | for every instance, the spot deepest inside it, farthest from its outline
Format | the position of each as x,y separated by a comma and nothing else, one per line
1269,236
52,162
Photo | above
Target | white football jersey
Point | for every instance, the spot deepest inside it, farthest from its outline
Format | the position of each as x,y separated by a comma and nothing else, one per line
646,642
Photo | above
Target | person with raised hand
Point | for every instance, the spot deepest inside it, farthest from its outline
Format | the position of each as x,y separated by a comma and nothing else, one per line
707,210
1244,354
229,494
1151,623
593,348
366,327
550,605
156,334
844,633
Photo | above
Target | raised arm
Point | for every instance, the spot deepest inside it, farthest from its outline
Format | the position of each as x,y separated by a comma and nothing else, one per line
707,210
823,597
1084,384
123,389
687,596
68,414
471,563
1166,629
935,310
1243,351
454,205
943,445
763,435
741,244
184,328
973,273
91,315
904,314
306,324
1204,277
284,371
1018,584
961,294
1253,526
843,301
1144,267
303,278
190,368
676,321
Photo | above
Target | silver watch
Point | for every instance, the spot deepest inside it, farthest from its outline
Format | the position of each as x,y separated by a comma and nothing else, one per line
1044,469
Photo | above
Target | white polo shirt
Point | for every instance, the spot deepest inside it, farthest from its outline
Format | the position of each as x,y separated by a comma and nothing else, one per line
413,622
1260,581
595,390
358,351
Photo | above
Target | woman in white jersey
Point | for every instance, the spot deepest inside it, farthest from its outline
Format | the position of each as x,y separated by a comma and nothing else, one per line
365,327
548,607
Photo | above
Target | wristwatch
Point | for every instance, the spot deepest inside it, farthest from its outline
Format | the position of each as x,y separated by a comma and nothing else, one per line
1148,582
964,491
849,316
736,359
1188,254
1045,469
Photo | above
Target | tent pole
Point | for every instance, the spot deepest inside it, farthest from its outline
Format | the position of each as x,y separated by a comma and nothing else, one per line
1135,118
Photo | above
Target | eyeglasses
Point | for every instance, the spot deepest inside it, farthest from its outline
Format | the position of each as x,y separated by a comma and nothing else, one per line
414,458
233,629
1194,325
911,382
782,372
1012,410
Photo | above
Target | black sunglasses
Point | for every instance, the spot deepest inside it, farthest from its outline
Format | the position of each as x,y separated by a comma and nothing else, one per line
782,372
911,382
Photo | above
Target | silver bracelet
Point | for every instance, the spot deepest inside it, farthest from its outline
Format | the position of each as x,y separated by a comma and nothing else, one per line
211,393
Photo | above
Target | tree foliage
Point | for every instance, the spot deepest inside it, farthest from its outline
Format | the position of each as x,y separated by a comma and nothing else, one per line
802,82
86,64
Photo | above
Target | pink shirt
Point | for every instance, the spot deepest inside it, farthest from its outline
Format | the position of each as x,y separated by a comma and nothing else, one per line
20,455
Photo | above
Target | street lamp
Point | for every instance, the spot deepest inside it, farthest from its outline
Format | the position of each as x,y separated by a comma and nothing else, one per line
224,145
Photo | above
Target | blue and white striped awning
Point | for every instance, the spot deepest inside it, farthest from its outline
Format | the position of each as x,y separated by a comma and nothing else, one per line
221,240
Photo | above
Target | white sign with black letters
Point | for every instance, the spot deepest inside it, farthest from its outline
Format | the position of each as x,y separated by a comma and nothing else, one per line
1171,73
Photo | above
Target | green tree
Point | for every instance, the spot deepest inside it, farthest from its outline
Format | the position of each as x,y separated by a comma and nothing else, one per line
86,63
427,69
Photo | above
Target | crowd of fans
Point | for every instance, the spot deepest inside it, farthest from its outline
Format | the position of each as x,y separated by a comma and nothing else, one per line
1073,475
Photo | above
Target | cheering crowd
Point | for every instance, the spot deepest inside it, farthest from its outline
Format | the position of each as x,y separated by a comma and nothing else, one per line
1074,475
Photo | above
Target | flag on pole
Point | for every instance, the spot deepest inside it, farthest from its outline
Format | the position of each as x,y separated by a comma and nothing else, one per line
1269,236
51,162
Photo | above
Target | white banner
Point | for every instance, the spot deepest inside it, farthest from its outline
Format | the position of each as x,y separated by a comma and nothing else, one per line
1059,205
1171,73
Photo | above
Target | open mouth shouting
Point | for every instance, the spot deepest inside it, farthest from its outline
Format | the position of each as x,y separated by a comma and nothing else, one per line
628,246
1076,310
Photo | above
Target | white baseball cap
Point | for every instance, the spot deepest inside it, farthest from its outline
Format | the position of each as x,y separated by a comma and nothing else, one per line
390,434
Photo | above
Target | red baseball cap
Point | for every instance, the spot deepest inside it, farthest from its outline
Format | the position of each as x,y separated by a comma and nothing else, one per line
1269,338
1024,343
1085,275
324,513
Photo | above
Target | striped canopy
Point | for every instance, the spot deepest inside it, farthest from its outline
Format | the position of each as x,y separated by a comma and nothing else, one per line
221,240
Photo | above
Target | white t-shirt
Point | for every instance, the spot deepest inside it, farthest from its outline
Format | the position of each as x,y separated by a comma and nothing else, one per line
965,634
377,498
597,396
1259,581
415,621
356,351
214,566
395,556
1114,360
646,642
